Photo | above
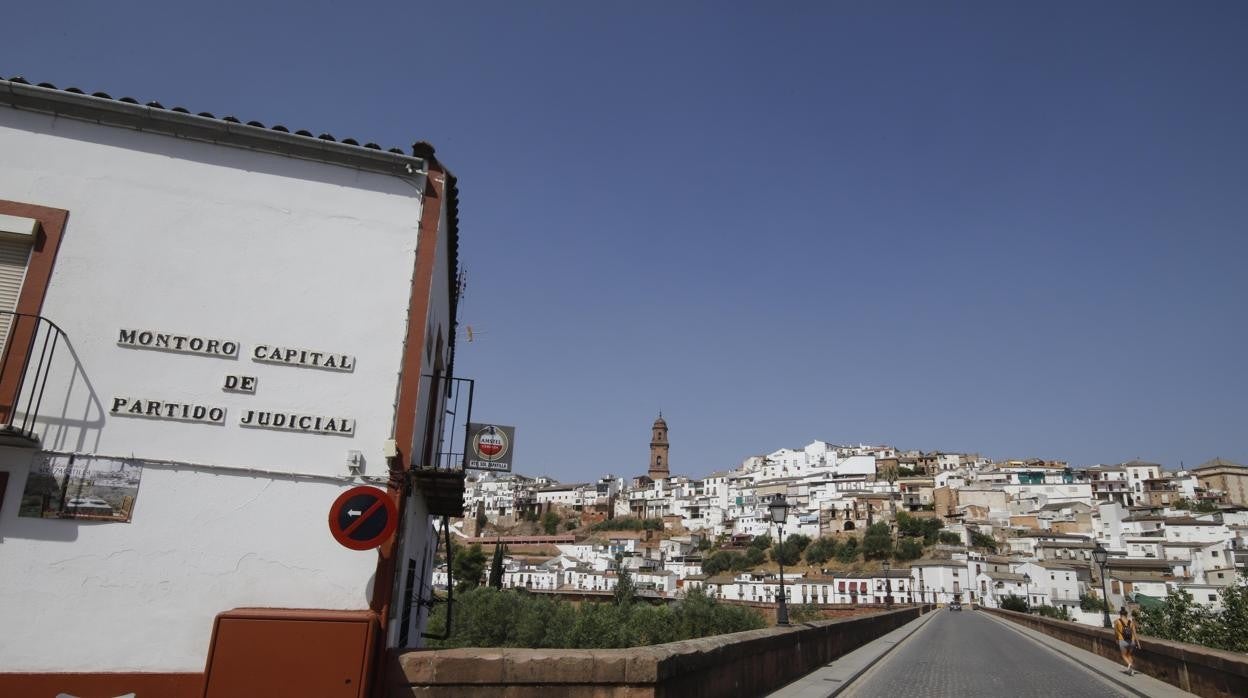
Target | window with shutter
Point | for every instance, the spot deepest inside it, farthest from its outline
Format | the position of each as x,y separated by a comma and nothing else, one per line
14,254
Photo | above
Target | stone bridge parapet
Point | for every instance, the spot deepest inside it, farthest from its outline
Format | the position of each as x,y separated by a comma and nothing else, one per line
1206,672
748,663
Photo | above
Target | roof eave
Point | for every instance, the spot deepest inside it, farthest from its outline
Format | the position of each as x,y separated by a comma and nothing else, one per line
167,122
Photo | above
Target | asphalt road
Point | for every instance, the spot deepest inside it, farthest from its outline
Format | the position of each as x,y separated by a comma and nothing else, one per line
965,654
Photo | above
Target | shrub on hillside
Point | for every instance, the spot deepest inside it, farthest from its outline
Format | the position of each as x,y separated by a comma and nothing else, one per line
820,551
487,617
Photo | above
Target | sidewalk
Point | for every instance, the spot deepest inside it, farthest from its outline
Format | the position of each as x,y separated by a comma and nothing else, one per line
1139,684
832,678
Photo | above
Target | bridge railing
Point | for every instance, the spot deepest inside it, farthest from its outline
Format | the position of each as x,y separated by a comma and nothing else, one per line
748,663
1193,668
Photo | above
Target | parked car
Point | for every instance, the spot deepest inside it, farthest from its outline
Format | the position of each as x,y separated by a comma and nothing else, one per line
955,605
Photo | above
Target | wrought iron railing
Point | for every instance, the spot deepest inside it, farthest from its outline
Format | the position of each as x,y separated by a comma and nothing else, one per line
29,341
457,413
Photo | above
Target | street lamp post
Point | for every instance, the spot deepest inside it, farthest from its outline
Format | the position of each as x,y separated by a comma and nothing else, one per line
779,512
1027,581
888,587
1100,555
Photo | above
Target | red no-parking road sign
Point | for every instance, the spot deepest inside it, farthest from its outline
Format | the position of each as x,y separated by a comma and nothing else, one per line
363,518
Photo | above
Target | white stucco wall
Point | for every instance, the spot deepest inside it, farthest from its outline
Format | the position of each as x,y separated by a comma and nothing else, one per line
215,241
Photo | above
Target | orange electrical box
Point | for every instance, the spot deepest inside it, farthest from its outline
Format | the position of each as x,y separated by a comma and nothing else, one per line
291,652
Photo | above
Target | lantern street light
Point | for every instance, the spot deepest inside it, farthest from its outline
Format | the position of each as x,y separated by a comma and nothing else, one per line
779,512
888,587
1027,581
1101,556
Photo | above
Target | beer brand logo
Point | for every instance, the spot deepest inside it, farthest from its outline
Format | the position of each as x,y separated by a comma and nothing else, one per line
490,444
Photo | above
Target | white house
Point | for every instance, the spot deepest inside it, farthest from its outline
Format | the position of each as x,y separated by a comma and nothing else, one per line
939,581
227,326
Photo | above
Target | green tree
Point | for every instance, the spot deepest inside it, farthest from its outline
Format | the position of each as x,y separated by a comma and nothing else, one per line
790,551
1014,603
1088,602
1178,618
496,568
981,540
754,557
467,566
550,523
719,561
949,538
804,613
1057,612
652,625
625,590
820,551
877,543
909,549
1231,629
704,544
1181,619
762,542
848,551
488,617
908,525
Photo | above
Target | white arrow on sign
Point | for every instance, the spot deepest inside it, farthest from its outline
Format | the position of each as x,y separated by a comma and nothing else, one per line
354,512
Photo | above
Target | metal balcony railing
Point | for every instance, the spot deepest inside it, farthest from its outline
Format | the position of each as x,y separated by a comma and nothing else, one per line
29,344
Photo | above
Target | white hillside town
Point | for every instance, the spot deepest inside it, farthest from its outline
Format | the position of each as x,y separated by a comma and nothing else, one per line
1028,528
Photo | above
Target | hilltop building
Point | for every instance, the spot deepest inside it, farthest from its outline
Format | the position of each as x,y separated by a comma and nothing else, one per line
659,465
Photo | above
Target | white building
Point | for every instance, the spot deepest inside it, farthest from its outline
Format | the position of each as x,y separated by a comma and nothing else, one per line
244,322
939,581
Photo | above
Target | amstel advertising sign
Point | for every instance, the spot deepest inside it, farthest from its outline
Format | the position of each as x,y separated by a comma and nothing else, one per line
490,447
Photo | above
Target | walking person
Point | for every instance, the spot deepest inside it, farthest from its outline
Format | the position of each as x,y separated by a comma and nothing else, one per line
1128,635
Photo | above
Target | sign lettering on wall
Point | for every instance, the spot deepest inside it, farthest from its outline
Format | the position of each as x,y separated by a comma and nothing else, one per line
163,409
292,421
185,344
129,406
302,357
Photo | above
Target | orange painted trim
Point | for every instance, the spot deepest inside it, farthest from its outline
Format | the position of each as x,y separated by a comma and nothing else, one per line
103,685
34,288
411,367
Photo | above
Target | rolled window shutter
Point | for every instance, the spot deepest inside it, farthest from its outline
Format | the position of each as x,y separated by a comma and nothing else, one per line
13,258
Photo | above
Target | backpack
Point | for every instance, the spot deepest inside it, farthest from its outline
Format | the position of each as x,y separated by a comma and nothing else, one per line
1126,631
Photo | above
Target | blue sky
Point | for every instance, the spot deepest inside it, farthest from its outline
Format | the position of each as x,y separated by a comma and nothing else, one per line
1008,228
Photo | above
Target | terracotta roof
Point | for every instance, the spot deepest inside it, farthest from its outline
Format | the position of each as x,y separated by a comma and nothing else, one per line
1189,521
1218,463
9,87
1140,563
1135,576
1053,565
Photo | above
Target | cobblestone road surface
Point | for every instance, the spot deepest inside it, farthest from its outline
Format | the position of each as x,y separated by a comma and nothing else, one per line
964,654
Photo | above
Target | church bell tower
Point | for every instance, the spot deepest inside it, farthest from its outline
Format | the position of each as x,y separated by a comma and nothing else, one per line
658,450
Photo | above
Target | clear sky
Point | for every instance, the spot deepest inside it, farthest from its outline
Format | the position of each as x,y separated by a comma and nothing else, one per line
1017,229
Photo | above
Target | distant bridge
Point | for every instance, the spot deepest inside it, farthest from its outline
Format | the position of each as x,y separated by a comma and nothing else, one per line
521,540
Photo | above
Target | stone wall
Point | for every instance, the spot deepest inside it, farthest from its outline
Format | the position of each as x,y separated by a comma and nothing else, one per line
1200,670
749,663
